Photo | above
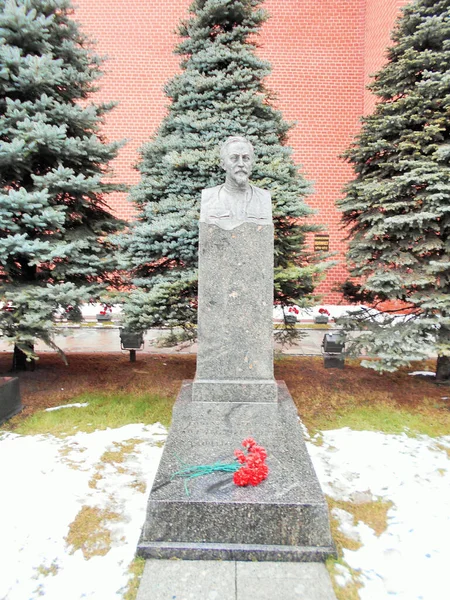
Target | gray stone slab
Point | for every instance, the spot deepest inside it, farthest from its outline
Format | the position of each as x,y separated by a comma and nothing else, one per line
10,400
283,581
229,580
235,314
284,518
188,580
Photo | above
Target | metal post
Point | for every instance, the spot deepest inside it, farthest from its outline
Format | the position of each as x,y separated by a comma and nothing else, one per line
132,355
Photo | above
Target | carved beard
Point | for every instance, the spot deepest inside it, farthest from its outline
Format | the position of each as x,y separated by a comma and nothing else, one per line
241,177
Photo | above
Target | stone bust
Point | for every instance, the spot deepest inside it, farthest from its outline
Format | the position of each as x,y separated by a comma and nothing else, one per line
236,201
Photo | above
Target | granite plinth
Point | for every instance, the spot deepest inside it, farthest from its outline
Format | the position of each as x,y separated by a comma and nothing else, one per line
235,326
235,391
283,519
10,401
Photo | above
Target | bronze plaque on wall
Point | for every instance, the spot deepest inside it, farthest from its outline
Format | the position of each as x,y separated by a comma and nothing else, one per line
321,242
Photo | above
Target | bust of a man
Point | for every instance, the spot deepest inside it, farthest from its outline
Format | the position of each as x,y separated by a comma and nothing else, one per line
236,201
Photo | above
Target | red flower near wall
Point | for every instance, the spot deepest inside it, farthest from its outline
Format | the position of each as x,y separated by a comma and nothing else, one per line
106,308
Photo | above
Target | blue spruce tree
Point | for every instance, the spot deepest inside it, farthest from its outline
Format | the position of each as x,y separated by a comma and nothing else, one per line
220,93
397,208
53,215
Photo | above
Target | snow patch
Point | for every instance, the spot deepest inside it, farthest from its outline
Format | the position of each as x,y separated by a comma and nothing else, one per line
409,560
74,405
423,373
45,484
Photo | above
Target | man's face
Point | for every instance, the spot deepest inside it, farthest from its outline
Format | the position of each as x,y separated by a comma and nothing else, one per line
238,162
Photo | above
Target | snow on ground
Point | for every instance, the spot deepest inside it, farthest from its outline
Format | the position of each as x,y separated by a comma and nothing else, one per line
423,373
409,560
73,405
45,484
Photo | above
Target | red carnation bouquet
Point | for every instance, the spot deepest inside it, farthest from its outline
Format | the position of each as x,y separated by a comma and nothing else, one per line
249,466
254,469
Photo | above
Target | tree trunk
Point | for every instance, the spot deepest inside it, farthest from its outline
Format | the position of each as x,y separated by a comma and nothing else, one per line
20,362
443,362
443,369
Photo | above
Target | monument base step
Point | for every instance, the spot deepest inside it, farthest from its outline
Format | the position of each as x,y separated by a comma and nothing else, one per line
285,518
240,552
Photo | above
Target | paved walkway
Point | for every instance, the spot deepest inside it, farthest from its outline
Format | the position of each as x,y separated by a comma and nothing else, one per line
227,580
106,339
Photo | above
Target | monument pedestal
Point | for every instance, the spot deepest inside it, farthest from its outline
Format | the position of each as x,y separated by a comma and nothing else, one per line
285,518
235,320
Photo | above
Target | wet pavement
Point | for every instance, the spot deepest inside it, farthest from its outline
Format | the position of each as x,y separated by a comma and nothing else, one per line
105,338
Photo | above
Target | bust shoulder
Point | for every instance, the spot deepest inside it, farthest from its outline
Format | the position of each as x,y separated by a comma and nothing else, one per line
263,194
211,192
217,208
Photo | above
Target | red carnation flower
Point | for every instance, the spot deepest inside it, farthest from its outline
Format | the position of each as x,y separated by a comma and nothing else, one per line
258,475
242,477
240,456
260,452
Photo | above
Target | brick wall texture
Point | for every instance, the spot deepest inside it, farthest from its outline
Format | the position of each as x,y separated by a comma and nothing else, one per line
322,54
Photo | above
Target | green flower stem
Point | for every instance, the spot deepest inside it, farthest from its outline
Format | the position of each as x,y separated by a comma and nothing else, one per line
190,472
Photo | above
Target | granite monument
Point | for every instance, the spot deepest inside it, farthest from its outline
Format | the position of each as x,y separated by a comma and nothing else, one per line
234,395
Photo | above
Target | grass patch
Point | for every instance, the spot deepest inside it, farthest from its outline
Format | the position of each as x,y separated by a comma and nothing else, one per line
373,514
340,539
364,399
385,418
45,571
116,459
348,591
121,451
443,448
88,531
96,477
136,570
103,411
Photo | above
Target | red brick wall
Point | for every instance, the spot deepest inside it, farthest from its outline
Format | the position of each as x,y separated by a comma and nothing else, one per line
321,52
316,49
380,20
138,39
